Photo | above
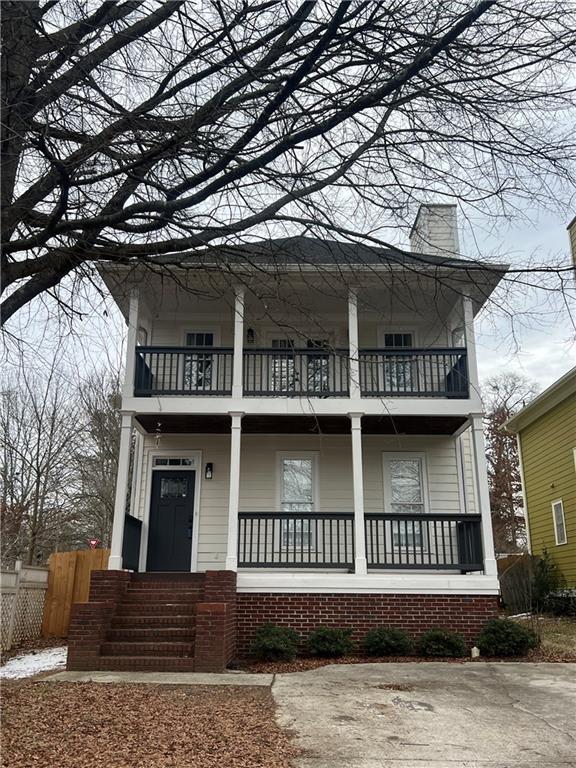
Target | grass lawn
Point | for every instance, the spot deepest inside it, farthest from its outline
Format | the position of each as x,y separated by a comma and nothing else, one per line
77,725
557,635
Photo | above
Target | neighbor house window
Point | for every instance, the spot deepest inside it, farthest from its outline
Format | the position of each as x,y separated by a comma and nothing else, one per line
559,522
297,479
405,494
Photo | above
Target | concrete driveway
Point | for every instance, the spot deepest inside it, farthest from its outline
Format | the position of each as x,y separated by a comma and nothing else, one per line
432,714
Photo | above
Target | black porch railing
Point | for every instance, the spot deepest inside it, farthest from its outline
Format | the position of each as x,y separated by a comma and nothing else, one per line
424,542
183,371
131,542
313,372
413,373
296,540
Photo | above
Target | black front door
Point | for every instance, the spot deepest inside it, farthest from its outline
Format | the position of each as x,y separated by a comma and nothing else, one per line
171,518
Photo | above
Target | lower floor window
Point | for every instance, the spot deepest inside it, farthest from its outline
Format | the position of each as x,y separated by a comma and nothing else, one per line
296,497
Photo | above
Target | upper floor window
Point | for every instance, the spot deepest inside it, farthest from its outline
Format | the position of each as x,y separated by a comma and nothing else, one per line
398,340
198,366
559,522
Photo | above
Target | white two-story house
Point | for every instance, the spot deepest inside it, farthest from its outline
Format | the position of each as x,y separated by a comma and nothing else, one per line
302,425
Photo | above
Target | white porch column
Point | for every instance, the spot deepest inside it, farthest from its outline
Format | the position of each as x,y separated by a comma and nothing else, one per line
360,566
468,312
483,493
235,441
354,372
131,338
238,342
115,560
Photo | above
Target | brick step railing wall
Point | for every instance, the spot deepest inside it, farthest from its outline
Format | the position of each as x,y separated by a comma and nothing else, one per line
160,622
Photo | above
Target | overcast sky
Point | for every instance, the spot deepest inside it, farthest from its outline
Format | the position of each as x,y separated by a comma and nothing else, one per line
540,340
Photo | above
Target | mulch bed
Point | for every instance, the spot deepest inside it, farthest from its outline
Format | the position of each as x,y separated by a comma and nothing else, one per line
305,663
71,725
29,646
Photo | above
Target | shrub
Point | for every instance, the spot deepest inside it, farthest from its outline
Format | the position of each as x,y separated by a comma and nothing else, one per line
504,637
547,578
441,642
560,603
330,642
274,643
387,641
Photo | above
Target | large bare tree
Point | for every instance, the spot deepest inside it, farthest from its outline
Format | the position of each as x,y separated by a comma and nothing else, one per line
137,128
504,395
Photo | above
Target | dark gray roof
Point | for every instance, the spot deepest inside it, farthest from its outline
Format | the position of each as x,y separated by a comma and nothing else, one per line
304,251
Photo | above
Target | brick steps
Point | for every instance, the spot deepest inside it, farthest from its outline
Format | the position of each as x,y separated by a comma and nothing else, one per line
143,633
147,648
156,609
143,620
147,663
155,622
161,596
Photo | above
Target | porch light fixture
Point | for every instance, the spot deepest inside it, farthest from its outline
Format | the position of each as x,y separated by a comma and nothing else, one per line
250,336
209,471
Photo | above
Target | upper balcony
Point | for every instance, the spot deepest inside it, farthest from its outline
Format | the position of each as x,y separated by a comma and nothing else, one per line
312,372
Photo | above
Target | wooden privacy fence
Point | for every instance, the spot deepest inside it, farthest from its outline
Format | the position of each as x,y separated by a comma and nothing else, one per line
69,582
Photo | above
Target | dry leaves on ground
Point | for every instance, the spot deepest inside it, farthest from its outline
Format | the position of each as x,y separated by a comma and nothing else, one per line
303,664
71,725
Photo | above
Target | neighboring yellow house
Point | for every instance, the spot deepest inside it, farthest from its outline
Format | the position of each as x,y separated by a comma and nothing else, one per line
546,434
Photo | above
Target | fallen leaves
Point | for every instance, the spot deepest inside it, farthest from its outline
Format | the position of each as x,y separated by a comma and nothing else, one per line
71,725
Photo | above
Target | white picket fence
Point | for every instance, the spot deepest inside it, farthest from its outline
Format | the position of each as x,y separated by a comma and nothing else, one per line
23,591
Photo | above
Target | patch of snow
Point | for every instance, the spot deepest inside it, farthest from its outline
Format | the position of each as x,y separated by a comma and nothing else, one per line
520,616
32,663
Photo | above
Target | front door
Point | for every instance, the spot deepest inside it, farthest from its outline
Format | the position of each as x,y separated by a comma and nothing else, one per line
171,518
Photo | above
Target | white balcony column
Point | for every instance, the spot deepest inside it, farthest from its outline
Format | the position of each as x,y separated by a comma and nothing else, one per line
360,565
115,560
131,340
238,342
354,372
468,312
482,492
234,498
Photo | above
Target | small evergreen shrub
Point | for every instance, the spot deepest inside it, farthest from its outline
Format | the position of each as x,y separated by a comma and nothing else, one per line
330,642
387,641
274,643
504,637
560,603
441,642
547,579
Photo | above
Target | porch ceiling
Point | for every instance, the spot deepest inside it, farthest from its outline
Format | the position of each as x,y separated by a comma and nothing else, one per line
180,424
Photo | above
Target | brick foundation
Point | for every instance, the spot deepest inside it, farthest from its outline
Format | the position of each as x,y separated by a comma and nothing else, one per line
412,613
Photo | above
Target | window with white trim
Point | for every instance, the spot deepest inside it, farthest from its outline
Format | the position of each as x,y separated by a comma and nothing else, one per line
559,522
405,494
398,370
297,494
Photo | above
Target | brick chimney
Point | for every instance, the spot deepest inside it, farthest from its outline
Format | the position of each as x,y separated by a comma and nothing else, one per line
435,231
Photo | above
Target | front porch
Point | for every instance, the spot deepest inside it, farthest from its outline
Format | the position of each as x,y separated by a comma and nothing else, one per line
314,510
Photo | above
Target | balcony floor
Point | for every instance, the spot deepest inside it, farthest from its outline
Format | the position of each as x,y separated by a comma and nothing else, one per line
282,425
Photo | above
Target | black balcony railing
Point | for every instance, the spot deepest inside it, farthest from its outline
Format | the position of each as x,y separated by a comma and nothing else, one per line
314,372
413,373
296,372
424,542
296,540
183,371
